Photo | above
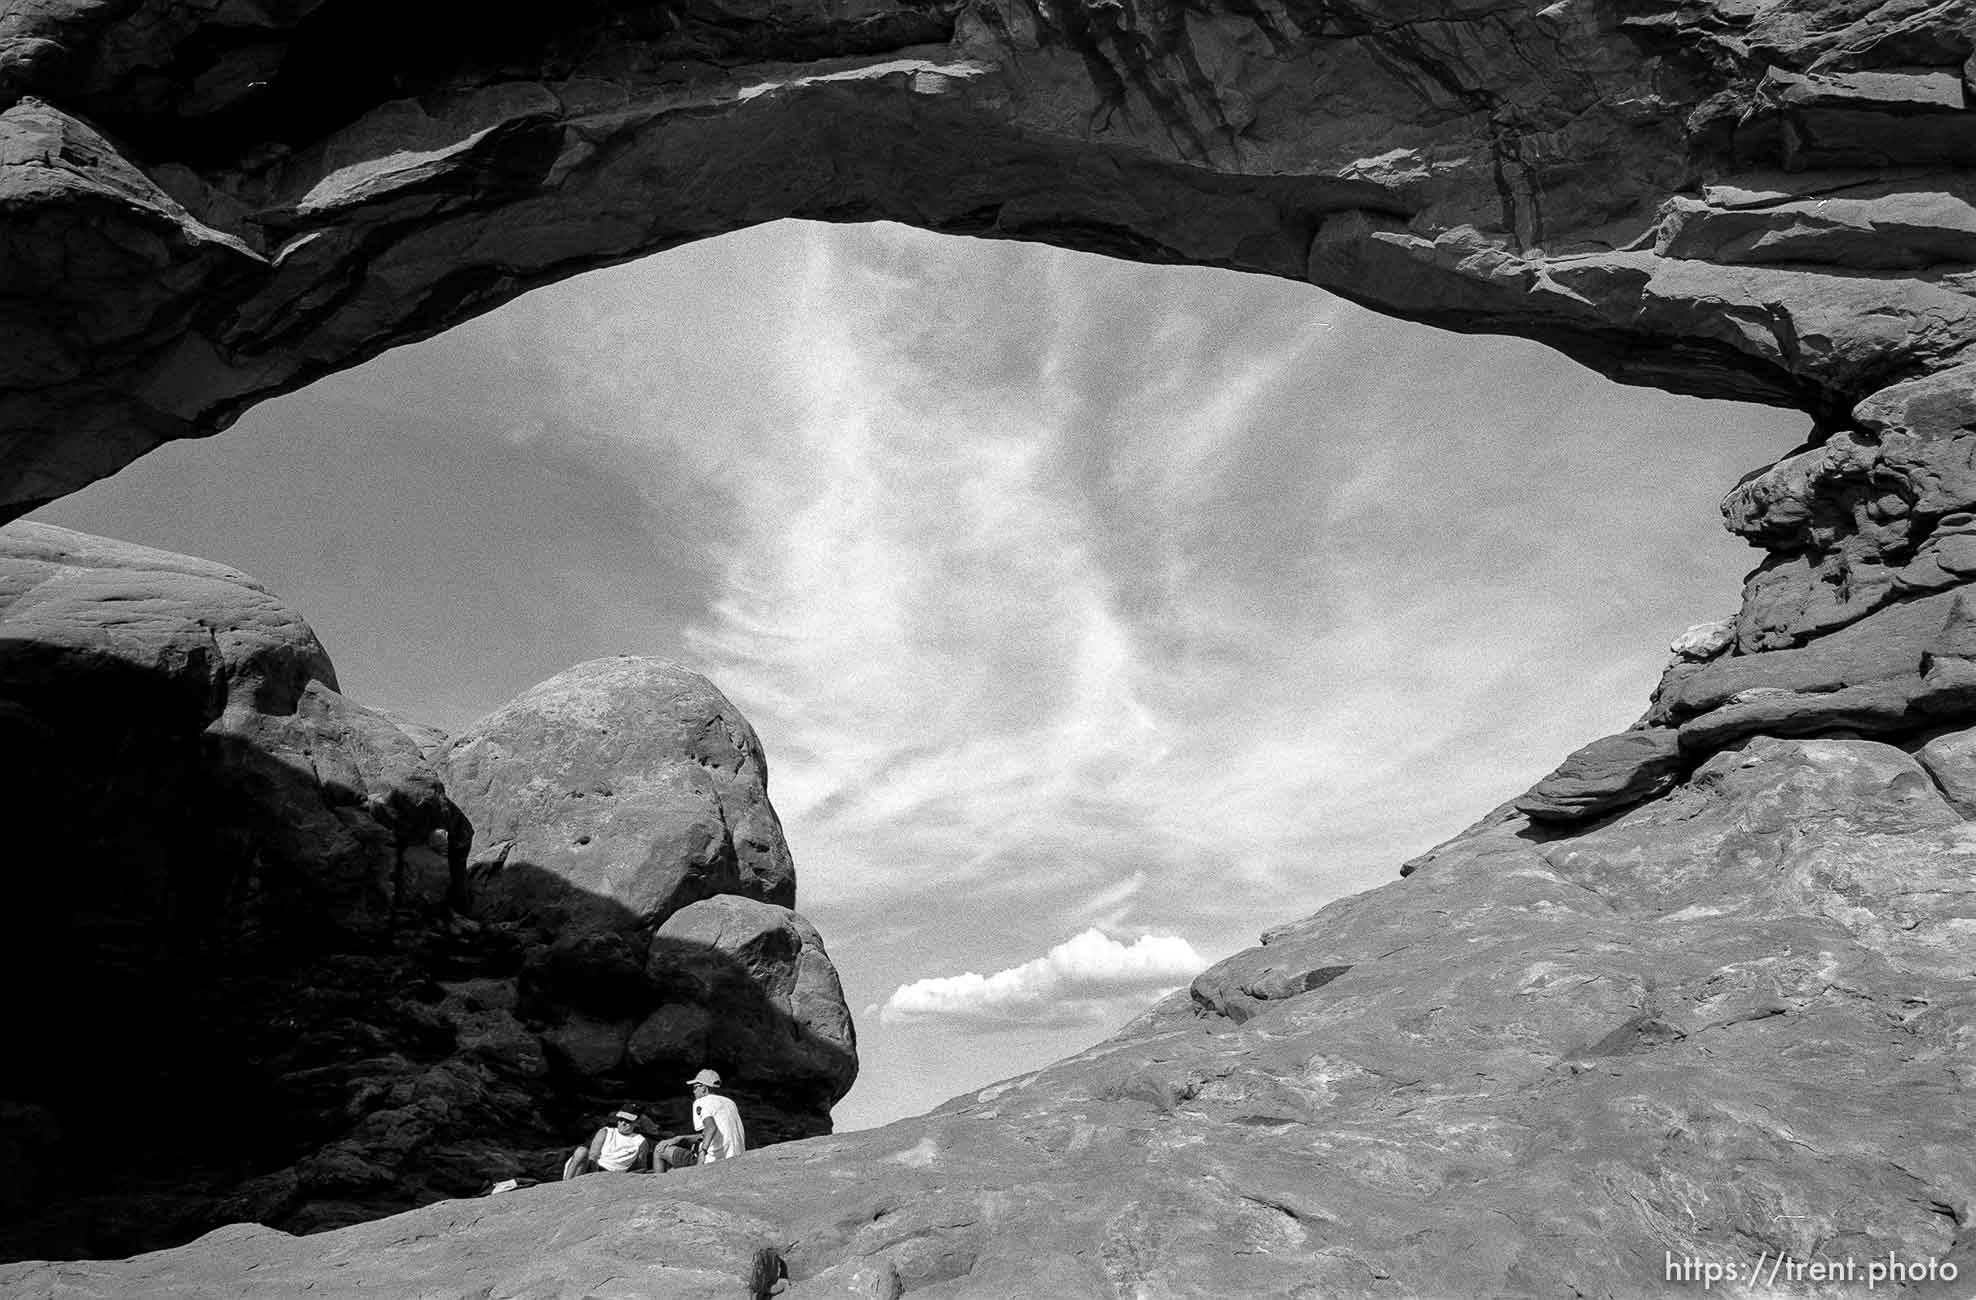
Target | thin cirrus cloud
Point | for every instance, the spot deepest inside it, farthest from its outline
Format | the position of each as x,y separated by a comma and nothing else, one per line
922,606
1063,593
984,603
1089,978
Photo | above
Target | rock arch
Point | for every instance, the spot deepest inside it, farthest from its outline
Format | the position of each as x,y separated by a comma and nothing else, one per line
206,205
1559,1058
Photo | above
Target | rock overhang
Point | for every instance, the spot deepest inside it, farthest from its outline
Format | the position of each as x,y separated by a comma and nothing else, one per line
1765,205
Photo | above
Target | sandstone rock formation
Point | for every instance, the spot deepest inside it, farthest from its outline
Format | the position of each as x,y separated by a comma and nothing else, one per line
247,953
1775,201
622,830
1731,1025
762,1001
206,205
1703,991
628,780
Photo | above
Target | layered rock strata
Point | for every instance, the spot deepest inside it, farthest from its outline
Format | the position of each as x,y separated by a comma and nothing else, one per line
1859,619
255,953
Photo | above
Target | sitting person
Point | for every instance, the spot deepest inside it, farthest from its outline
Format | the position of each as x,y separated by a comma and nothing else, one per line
717,1118
677,1153
618,1147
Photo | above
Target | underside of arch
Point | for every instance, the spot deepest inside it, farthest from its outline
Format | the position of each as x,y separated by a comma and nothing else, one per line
207,205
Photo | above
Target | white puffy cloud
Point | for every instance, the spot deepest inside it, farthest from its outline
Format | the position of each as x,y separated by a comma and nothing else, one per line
1088,978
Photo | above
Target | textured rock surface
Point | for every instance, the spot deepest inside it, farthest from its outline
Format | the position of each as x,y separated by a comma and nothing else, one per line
257,891
85,614
623,833
1613,772
781,1026
1732,1023
626,780
207,204
1879,512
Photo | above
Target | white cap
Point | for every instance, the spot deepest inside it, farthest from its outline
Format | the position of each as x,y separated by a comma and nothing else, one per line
707,1077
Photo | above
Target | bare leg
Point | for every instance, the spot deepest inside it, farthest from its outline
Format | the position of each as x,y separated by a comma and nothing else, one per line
577,1165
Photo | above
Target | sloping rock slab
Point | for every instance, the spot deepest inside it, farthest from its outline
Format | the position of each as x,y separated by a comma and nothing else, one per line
1902,669
593,1237
1551,1069
1612,772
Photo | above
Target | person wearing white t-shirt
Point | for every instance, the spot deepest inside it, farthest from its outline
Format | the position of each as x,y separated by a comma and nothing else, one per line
722,1134
616,1148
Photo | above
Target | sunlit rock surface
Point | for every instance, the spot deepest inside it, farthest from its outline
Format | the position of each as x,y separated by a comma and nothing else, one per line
623,832
247,951
627,780
1733,1024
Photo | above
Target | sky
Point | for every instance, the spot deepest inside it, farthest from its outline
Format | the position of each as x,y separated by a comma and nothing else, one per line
1095,617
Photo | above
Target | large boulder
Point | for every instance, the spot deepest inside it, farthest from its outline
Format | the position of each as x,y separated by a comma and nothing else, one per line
89,619
623,834
618,792
782,1029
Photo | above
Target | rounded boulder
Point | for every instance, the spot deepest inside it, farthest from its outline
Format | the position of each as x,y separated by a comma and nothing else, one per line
614,794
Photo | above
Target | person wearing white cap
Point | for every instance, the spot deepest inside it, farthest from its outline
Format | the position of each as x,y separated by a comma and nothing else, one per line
717,1118
618,1147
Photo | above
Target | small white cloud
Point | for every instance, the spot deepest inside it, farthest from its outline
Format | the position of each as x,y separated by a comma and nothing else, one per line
1089,978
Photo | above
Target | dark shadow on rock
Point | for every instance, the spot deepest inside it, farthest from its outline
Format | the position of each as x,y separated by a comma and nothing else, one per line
242,991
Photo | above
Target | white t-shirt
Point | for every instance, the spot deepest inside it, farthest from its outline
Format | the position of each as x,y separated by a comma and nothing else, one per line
619,1150
730,1138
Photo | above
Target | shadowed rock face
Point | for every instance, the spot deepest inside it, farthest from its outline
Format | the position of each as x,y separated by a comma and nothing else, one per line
251,954
622,822
206,205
